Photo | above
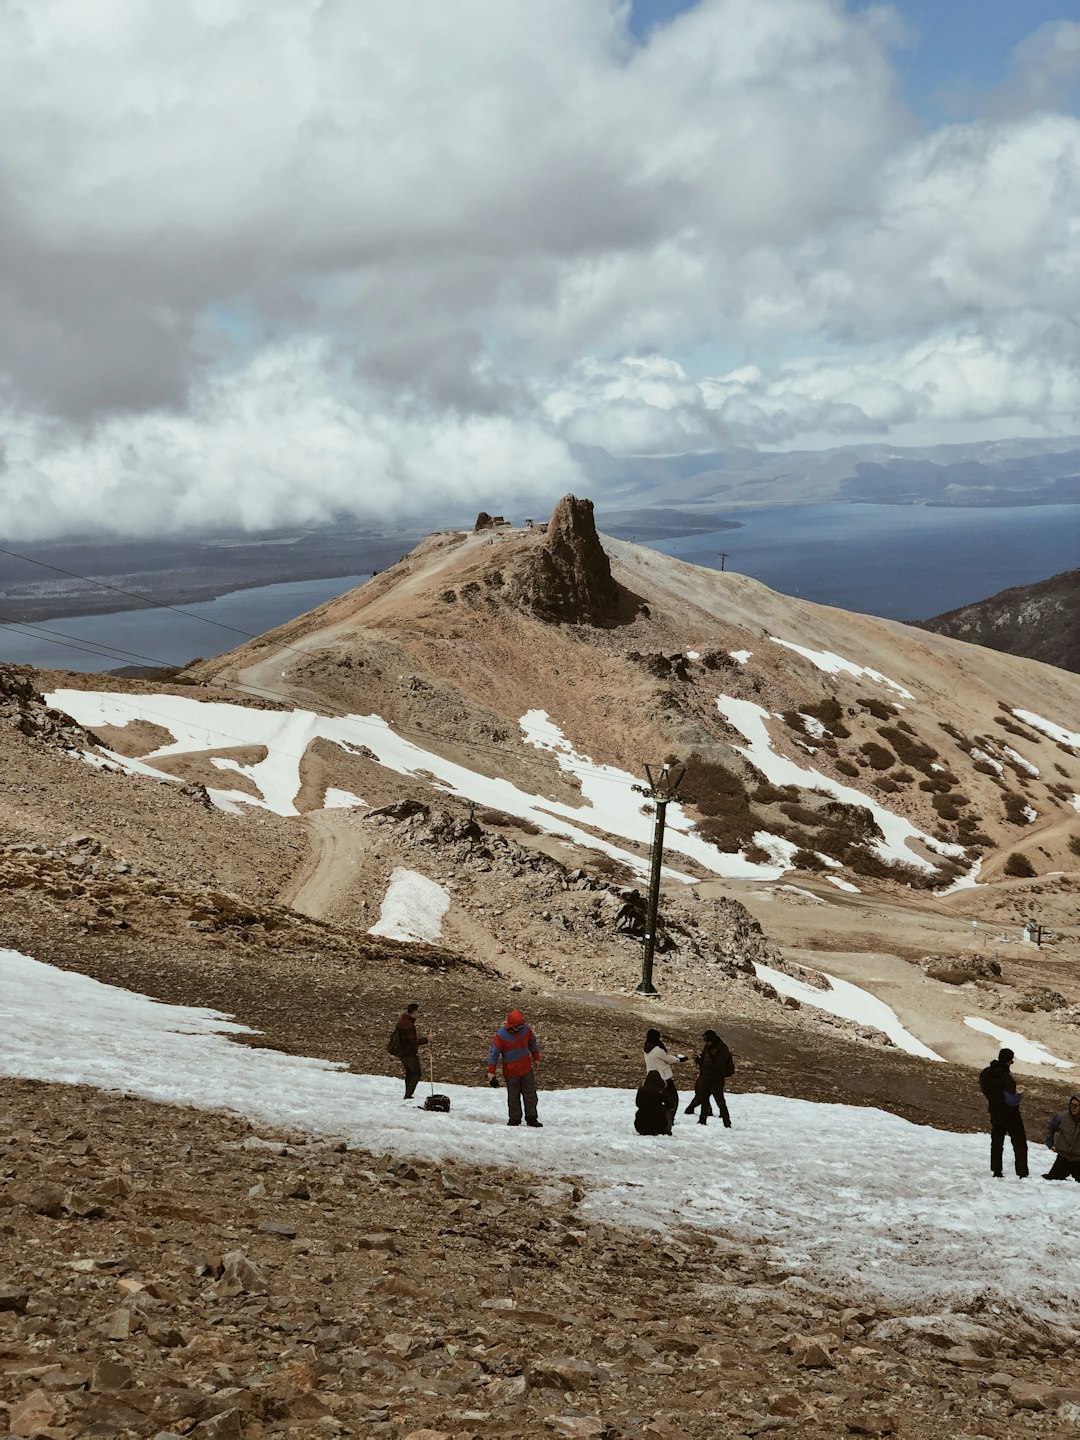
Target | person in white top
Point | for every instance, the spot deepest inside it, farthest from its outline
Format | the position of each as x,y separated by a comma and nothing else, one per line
660,1059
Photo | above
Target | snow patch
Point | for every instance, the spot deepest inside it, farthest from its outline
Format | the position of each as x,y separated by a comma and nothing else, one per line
978,754
412,908
963,882
742,656
848,1002
1030,814
1028,1052
1024,764
813,726
336,799
837,665
843,884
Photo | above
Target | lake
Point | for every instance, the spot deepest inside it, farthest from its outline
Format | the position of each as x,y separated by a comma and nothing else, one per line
165,637
902,562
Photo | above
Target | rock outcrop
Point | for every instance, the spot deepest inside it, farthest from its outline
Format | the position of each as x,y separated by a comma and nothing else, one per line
567,579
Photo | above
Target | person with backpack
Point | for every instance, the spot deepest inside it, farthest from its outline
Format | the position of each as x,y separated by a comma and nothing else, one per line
515,1045
404,1044
715,1065
659,1061
1003,1099
1063,1137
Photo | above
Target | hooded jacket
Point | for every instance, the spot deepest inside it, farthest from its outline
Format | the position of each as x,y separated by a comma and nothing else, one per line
658,1058
999,1087
1067,1137
515,1048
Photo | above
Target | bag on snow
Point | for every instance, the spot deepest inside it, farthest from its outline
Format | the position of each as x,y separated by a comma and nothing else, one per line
393,1045
437,1102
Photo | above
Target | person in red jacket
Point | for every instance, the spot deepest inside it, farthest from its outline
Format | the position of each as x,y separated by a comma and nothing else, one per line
515,1045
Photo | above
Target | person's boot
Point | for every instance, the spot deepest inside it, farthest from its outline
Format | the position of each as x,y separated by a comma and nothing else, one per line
513,1122
690,1109
702,1120
535,1124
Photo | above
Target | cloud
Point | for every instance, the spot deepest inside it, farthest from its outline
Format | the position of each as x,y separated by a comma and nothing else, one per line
268,261
295,438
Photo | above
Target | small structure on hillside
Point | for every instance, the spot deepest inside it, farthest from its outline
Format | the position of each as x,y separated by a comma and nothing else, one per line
484,521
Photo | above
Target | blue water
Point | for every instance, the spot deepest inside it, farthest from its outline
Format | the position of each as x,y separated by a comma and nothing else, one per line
165,637
905,562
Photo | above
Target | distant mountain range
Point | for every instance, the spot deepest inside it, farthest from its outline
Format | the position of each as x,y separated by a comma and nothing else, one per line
1040,621
987,473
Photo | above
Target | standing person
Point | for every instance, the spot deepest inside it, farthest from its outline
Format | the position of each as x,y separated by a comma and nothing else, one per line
659,1060
516,1046
715,1064
1003,1098
405,1043
1064,1138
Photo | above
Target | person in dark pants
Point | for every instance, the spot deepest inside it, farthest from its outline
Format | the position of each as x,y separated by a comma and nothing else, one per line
409,1043
659,1060
1003,1098
715,1064
516,1046
1063,1137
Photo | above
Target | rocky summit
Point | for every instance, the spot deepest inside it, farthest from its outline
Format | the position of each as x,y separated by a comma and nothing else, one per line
433,788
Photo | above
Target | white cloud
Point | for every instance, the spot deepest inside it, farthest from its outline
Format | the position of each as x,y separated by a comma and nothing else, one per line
265,261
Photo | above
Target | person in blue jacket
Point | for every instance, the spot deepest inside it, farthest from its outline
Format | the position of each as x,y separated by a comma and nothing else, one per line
1003,1099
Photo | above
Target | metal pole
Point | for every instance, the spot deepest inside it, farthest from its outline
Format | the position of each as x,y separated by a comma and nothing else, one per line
661,789
649,944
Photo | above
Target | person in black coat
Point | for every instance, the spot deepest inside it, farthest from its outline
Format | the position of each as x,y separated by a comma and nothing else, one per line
653,1115
715,1064
1003,1099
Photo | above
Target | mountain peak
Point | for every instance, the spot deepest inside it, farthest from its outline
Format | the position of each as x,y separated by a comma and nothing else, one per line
567,578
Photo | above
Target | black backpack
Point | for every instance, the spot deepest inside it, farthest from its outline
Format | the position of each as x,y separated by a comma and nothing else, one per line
437,1102
393,1045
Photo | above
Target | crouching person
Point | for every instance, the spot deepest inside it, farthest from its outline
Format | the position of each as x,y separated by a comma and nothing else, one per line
515,1045
1063,1137
653,1114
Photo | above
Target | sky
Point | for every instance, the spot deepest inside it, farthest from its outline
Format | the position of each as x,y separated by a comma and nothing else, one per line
265,264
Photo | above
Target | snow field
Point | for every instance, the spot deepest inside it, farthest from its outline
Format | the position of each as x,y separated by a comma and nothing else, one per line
1055,732
1028,1052
854,1198
849,1002
837,665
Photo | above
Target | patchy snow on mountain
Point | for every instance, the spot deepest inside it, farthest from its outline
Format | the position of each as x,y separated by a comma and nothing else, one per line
1028,1052
849,1196
752,720
848,1002
981,756
1017,759
412,908
1055,732
837,665
742,656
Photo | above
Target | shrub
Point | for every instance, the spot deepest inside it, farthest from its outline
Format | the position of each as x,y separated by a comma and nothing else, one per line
886,785
846,767
801,814
878,756
830,712
808,860
1015,806
904,777
949,806
768,794
911,750
985,768
1019,865
877,708
1074,844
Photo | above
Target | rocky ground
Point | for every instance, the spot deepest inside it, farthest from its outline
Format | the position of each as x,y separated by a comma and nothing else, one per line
171,1272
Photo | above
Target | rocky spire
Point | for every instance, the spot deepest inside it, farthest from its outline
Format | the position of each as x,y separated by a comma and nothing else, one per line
567,579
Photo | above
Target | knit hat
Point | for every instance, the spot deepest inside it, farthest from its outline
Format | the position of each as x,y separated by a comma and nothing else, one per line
515,1018
710,1036
652,1039
1006,1057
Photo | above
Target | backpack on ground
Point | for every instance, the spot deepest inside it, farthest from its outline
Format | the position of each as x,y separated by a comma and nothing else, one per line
437,1102
393,1045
